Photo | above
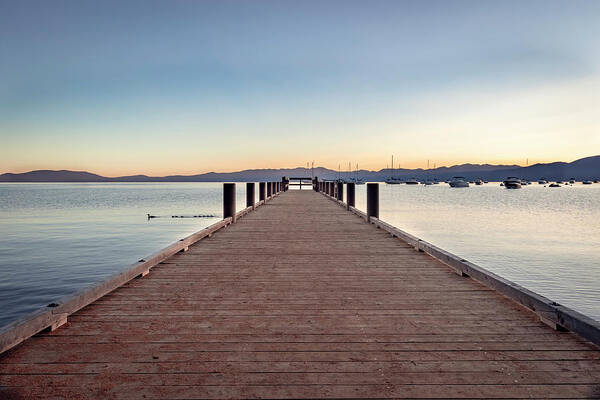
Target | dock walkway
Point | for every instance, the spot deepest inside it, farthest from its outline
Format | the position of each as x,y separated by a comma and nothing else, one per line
301,299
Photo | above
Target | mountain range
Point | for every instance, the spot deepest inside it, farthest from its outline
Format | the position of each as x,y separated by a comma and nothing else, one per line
584,168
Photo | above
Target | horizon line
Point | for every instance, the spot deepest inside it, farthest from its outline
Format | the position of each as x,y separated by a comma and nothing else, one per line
292,168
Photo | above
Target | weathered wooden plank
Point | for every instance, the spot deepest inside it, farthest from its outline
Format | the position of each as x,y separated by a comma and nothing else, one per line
506,367
116,390
312,378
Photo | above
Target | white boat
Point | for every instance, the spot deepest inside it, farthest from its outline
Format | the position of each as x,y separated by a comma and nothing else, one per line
512,183
458,182
587,182
542,181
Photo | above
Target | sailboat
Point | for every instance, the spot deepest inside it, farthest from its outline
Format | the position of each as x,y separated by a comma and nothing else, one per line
392,180
356,179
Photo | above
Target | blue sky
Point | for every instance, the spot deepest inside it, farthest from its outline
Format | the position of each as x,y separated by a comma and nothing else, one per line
191,86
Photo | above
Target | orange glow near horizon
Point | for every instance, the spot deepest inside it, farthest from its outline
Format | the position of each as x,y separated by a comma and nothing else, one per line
373,166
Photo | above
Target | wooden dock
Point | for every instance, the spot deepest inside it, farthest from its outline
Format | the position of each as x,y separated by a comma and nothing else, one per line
301,299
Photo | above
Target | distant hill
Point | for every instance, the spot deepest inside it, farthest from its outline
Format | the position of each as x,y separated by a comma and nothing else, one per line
585,168
53,176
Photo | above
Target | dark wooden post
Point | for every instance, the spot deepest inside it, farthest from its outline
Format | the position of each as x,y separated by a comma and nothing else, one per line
340,191
278,187
350,195
229,201
250,196
372,200
269,189
261,191
284,183
331,189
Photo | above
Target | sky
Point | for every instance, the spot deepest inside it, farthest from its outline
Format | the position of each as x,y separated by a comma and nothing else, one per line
184,87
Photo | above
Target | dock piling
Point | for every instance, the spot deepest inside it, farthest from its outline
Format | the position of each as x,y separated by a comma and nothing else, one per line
261,191
350,190
340,191
372,200
250,196
229,201
284,183
269,189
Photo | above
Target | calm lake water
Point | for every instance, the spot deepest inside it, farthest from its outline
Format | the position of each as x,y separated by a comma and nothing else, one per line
59,238
546,239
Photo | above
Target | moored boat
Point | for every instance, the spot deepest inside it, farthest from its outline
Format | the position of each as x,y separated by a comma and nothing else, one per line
392,180
512,183
458,182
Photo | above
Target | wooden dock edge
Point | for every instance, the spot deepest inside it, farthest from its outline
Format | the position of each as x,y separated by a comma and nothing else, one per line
549,312
56,313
